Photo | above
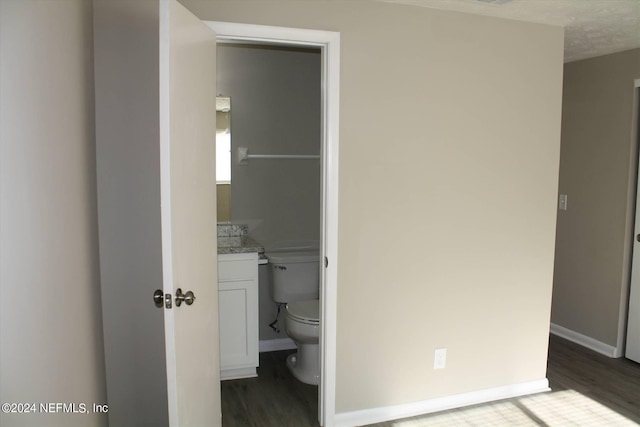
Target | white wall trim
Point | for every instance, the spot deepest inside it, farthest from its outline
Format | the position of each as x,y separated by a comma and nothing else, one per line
329,43
277,344
585,341
626,311
237,374
232,32
387,413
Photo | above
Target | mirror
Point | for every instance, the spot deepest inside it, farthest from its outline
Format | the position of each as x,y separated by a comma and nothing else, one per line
223,157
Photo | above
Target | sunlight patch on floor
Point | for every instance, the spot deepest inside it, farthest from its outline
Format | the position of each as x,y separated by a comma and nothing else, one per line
562,408
572,408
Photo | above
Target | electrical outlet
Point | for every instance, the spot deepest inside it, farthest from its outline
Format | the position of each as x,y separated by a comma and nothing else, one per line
440,358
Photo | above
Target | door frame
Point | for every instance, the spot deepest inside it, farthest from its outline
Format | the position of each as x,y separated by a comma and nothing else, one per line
634,204
329,44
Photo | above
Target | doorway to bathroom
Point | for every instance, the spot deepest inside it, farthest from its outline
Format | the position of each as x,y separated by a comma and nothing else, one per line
283,90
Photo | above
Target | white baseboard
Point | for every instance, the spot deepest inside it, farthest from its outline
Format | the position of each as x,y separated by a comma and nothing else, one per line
276,345
585,341
387,413
236,374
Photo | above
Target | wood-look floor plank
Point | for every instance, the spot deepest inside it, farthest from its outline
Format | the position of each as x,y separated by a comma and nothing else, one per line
614,383
588,389
274,399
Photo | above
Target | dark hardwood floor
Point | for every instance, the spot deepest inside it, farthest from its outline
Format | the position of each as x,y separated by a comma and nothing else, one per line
588,389
274,399
615,383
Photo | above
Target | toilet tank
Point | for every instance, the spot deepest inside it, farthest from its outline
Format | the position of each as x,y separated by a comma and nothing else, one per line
295,275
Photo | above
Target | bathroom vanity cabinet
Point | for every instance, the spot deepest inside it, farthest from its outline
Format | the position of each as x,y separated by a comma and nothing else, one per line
238,314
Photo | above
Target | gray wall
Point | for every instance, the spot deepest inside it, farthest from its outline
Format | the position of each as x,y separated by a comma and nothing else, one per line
50,319
597,172
268,308
275,109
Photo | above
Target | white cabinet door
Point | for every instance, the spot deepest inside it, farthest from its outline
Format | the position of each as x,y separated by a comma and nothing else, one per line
238,314
238,338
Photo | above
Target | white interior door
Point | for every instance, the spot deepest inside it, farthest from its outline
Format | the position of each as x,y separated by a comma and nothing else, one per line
188,194
155,132
633,321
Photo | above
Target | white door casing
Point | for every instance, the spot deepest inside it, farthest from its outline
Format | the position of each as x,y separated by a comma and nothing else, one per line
329,43
632,350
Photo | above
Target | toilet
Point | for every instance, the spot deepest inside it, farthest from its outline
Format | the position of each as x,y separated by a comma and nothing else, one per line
303,326
296,283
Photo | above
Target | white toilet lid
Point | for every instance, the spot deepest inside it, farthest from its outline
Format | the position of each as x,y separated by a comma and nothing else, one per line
306,311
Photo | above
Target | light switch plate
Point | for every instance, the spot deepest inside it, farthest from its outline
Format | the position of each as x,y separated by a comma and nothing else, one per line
562,202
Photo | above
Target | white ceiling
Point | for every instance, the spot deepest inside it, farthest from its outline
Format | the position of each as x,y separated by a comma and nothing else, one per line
592,27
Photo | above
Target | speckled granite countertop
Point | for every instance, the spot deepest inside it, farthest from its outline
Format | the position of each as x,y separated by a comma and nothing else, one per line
233,239
238,245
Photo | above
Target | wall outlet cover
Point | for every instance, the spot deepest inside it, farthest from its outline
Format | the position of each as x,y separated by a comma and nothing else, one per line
440,358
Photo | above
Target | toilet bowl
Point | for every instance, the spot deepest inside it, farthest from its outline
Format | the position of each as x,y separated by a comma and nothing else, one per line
295,279
302,324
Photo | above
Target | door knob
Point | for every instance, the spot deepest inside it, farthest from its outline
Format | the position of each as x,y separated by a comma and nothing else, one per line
188,297
158,297
638,237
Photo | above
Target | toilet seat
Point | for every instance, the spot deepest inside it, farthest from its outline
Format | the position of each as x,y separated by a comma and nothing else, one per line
304,311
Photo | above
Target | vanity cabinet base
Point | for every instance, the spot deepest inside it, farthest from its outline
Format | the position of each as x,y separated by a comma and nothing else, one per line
238,315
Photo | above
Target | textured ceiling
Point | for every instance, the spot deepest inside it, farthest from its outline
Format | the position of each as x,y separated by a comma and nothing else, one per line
592,27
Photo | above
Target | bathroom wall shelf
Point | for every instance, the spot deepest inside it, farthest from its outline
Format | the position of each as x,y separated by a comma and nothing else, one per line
243,156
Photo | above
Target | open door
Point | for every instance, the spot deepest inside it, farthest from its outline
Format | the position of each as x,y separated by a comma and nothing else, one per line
188,194
155,157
